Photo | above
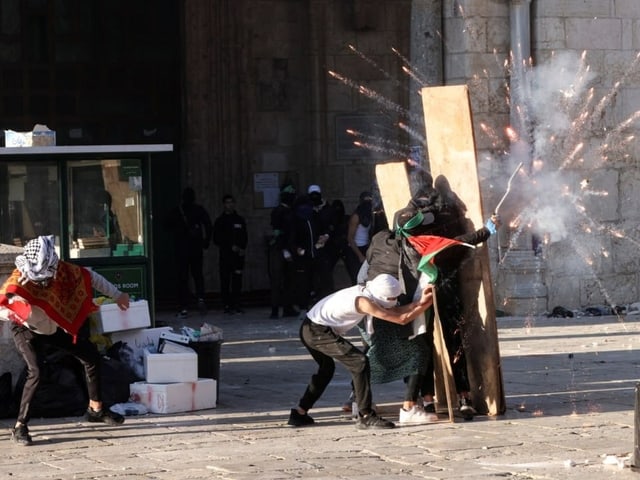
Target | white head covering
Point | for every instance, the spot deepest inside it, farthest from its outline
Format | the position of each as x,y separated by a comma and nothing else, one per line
39,261
383,287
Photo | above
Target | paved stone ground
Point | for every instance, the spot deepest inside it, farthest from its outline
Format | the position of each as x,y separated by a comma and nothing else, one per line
570,387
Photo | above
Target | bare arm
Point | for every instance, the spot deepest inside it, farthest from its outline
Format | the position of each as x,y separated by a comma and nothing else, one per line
402,314
104,286
354,220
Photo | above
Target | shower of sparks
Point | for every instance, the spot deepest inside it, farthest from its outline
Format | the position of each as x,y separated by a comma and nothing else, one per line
411,131
560,128
375,96
371,62
377,148
378,140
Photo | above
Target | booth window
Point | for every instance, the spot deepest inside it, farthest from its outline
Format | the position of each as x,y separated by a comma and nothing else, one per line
104,208
29,202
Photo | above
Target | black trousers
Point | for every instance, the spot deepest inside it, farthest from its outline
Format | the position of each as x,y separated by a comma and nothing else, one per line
189,263
85,351
231,266
325,346
281,275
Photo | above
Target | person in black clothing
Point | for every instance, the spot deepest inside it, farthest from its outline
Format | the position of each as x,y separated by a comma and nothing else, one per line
449,222
192,229
324,238
280,255
337,248
305,251
230,235
390,252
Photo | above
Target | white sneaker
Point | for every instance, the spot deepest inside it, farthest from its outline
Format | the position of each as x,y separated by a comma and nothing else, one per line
416,415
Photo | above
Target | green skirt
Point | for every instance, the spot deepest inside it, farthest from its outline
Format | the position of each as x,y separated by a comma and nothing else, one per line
392,355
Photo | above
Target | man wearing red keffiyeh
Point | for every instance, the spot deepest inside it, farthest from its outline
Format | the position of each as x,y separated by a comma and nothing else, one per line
48,301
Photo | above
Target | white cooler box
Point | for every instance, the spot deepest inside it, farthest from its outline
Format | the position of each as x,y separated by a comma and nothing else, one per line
175,397
112,319
171,367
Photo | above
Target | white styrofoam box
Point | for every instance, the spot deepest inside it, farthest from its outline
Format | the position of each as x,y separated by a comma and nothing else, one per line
18,139
112,319
175,397
170,367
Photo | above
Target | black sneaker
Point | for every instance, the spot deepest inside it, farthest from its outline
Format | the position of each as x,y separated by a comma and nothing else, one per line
20,435
103,416
297,419
372,420
466,409
430,407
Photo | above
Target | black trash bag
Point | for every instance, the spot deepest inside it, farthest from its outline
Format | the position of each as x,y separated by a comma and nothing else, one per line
133,359
6,395
115,378
62,391
560,312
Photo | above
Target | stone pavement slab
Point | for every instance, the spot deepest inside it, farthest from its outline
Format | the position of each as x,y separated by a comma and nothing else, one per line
570,390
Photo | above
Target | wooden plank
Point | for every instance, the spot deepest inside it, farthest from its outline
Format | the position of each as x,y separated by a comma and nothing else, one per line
393,183
452,160
442,365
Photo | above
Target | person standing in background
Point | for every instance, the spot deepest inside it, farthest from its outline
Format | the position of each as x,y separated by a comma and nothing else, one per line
359,235
192,230
280,255
230,235
322,264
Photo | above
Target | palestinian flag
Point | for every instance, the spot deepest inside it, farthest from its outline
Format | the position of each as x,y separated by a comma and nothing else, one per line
429,246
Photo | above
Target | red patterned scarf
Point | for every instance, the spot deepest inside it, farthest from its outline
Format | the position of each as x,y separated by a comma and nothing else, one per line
67,299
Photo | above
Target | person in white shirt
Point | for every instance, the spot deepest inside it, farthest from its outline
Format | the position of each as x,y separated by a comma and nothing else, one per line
322,333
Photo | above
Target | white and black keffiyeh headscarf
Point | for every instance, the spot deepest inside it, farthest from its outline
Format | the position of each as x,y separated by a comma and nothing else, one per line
39,261
384,290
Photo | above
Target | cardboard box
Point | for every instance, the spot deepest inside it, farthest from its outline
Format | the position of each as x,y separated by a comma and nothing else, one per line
170,367
43,138
112,319
175,397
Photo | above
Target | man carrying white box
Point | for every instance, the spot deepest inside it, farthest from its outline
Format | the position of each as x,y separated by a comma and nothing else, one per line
48,301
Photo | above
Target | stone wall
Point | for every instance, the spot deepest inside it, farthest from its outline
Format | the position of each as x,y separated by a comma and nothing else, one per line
594,261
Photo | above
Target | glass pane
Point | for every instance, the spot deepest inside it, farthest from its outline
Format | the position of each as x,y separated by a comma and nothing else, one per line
29,201
105,210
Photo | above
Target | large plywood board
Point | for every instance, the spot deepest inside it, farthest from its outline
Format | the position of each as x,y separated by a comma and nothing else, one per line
393,184
452,160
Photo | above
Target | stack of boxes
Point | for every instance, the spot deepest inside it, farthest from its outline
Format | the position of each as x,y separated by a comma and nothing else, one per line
171,376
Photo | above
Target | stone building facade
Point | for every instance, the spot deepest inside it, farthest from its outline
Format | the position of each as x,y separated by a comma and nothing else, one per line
261,98
252,92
